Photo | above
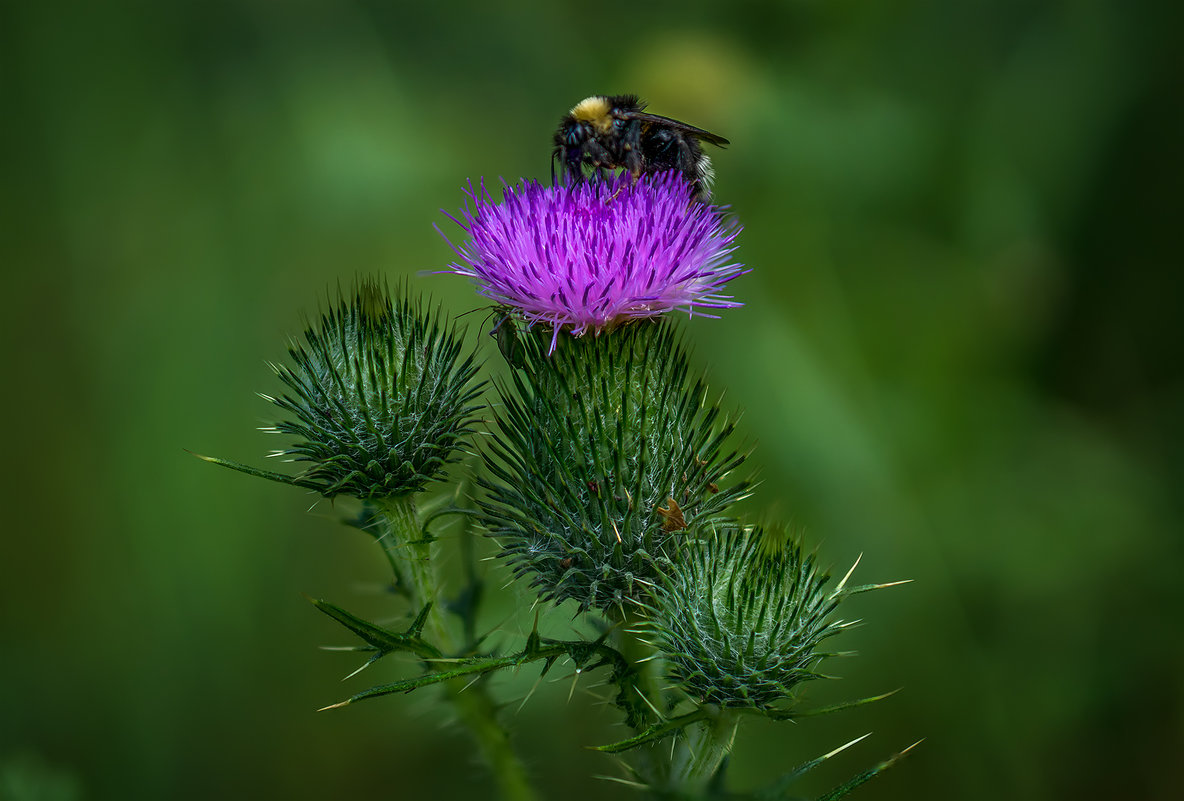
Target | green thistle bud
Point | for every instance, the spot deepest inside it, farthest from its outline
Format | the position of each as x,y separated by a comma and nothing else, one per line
380,398
607,451
741,619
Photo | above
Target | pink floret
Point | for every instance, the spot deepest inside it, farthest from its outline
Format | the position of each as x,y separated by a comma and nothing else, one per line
599,253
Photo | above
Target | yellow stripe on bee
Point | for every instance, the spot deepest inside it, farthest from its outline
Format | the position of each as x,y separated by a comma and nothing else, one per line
594,110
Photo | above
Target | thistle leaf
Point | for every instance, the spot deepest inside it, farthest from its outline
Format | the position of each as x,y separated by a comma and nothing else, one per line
844,789
655,732
778,789
786,714
379,639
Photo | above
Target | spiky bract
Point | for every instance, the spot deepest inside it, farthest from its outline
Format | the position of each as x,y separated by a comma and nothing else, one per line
741,619
607,451
381,396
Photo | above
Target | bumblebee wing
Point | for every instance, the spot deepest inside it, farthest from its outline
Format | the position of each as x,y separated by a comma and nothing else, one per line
667,122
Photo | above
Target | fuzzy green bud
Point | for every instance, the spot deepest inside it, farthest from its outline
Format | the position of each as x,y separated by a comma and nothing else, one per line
607,450
741,619
380,398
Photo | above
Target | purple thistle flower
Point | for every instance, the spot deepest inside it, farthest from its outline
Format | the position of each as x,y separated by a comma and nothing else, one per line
599,253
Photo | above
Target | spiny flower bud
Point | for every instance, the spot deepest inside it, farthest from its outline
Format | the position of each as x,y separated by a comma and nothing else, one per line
380,398
607,451
741,619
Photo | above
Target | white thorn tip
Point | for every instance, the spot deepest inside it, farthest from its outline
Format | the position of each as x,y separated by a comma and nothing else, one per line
356,672
842,748
843,583
622,781
911,747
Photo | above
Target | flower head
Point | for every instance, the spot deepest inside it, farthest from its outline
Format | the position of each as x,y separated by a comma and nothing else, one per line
598,253
741,620
605,452
380,398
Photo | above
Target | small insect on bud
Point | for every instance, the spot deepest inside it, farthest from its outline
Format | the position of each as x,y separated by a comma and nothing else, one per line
505,331
672,519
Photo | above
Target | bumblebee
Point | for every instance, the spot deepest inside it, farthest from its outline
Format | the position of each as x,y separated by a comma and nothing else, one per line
608,132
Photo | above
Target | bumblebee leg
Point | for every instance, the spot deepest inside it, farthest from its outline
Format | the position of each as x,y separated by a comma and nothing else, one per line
621,187
696,168
685,162
631,151
599,159
571,172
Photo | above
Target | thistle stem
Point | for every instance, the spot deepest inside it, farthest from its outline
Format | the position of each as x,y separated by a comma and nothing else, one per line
479,713
697,759
650,763
410,555
639,654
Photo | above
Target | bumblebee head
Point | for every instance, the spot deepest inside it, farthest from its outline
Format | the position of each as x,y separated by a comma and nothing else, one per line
595,113
598,131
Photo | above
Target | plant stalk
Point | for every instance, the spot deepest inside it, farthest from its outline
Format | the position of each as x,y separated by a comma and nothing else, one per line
650,763
699,756
410,555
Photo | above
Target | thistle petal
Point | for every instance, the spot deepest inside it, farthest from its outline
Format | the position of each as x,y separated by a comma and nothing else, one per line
597,254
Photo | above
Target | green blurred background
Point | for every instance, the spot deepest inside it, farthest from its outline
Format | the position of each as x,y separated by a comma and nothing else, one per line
957,357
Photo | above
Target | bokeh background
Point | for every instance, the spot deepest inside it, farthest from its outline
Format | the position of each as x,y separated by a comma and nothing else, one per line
960,356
